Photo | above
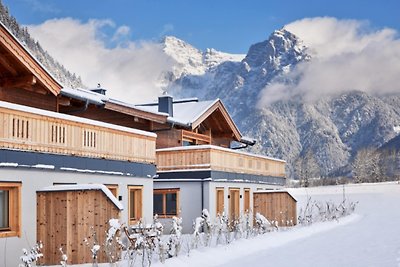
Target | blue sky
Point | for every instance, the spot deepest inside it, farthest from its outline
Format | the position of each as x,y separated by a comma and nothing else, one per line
230,26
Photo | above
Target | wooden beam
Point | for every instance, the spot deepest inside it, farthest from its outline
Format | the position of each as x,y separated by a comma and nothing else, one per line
7,65
19,82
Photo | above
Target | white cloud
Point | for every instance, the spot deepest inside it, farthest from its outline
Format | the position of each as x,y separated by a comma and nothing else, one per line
346,55
129,70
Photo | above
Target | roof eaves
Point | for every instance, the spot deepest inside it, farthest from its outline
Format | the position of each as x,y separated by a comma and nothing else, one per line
32,56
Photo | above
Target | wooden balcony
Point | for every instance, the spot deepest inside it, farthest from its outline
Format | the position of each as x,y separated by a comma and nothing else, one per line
218,159
31,129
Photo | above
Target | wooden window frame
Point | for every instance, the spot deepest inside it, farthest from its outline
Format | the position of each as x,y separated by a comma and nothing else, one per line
164,193
113,188
139,204
14,209
217,204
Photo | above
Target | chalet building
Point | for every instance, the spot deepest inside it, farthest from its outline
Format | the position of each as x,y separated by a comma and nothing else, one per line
179,154
45,142
200,166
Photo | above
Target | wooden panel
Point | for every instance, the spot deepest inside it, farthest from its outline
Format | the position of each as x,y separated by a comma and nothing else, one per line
26,131
28,98
246,204
234,202
220,200
65,219
276,206
206,157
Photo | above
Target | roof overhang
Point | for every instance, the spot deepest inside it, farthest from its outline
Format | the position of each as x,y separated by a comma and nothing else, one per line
30,63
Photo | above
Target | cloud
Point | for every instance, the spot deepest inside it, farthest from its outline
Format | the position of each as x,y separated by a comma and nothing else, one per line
346,55
129,70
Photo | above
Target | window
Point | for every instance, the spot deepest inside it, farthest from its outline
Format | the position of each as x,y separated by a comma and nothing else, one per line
247,200
134,203
166,202
220,200
10,209
113,188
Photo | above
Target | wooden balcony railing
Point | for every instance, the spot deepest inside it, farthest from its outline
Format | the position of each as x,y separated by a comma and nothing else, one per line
219,159
31,129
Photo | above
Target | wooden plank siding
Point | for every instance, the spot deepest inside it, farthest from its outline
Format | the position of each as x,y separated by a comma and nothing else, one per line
66,218
276,206
215,158
33,132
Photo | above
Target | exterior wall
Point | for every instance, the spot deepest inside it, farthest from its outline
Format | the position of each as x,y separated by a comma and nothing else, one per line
35,179
189,200
211,192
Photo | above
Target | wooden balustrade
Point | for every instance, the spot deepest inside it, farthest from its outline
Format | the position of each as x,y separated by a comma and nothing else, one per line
49,132
218,158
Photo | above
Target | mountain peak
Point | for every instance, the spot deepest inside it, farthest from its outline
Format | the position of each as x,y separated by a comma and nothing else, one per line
282,49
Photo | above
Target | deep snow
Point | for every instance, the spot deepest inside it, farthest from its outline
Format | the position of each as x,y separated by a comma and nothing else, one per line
369,237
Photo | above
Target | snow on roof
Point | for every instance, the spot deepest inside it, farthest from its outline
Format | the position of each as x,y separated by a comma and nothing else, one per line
79,187
217,148
138,107
73,118
275,191
84,94
185,112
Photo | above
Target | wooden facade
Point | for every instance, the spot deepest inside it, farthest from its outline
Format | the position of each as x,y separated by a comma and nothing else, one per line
66,218
49,134
277,206
217,158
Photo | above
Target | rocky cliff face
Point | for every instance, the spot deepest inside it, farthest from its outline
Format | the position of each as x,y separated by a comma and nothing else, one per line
333,128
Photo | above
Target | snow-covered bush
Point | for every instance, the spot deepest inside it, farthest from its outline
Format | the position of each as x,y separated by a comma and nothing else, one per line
263,225
64,258
30,257
175,238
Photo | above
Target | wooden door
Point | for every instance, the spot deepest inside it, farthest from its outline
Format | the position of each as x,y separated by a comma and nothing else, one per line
234,195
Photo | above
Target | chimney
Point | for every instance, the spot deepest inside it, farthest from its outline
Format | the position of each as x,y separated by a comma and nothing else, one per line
99,90
165,104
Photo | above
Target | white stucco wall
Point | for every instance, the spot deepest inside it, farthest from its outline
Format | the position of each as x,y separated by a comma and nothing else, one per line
35,179
190,199
212,186
189,202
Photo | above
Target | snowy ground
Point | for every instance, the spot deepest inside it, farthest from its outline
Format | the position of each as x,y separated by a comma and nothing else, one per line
369,237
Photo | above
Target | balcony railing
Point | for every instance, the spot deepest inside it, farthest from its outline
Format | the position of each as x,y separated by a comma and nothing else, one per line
219,159
32,129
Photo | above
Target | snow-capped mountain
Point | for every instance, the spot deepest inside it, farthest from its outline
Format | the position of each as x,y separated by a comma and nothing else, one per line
333,128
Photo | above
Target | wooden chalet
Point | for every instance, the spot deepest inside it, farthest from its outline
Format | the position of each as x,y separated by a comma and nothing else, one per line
197,167
52,136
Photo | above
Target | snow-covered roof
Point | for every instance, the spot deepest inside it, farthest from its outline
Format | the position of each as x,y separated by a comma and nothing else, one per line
79,187
84,94
73,118
217,148
186,112
275,191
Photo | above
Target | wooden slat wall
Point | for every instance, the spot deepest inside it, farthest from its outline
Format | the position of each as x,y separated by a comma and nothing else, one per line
26,131
221,160
276,206
65,219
